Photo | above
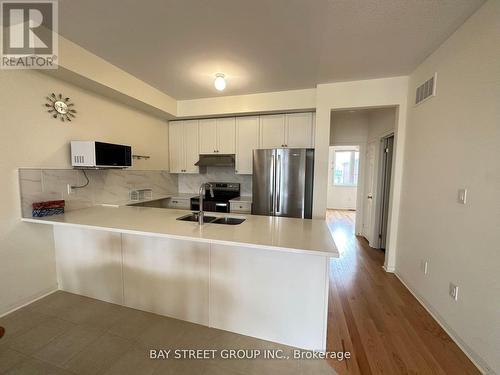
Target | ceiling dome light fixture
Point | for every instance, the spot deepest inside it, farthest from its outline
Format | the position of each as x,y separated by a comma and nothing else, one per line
220,82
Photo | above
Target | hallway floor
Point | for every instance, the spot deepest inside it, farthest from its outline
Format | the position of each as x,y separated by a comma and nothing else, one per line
373,315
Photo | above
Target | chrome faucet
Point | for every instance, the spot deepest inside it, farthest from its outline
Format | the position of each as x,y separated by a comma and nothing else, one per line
202,190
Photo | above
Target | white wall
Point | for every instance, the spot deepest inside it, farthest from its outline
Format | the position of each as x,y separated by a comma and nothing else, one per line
292,100
31,138
382,122
348,127
453,141
78,64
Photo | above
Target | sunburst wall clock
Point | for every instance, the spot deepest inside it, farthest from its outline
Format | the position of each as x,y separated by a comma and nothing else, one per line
60,107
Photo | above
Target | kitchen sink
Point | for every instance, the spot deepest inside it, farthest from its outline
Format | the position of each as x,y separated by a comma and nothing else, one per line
212,219
195,217
228,220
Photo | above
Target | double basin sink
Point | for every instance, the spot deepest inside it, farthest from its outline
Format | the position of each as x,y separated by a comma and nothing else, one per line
194,217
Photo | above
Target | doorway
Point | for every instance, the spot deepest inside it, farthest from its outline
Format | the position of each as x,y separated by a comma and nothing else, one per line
343,176
369,132
387,149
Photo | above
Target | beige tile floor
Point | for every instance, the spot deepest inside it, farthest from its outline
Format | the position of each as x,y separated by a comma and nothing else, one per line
65,333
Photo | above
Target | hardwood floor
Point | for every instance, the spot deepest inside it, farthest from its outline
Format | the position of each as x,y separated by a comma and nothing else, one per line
372,315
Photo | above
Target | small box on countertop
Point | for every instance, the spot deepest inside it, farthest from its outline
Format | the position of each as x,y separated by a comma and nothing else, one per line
48,208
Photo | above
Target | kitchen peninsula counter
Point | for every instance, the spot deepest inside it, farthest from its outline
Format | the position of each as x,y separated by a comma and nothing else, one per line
267,277
274,233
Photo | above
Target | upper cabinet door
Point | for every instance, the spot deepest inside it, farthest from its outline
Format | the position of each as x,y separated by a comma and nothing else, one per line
299,130
208,136
176,146
247,140
272,131
226,135
191,146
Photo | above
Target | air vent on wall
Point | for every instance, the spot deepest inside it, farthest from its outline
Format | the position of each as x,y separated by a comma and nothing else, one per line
426,90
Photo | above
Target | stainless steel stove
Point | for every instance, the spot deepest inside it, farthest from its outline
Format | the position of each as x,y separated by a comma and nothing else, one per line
223,193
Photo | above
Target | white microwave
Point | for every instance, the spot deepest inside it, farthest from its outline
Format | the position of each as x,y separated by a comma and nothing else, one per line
93,154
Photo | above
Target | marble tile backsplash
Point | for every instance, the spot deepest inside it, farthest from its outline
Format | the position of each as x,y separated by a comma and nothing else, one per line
190,183
105,186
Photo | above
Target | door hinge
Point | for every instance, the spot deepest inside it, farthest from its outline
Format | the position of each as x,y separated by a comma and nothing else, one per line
387,150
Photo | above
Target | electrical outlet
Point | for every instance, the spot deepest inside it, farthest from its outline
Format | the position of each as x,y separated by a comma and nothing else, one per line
454,291
70,189
462,196
424,266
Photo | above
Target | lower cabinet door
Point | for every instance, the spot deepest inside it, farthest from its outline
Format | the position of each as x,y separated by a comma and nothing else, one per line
165,276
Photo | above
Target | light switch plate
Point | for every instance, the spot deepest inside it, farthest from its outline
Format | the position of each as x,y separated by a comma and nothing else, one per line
462,196
454,291
424,266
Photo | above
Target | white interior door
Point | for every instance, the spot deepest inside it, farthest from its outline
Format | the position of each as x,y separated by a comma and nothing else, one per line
369,191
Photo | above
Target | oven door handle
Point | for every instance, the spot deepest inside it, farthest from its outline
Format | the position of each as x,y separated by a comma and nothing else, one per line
221,204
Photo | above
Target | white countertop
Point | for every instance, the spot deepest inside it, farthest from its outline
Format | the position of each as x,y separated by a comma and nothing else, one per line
274,233
243,198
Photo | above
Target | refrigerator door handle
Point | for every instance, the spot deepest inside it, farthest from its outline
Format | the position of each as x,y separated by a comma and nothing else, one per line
273,184
278,185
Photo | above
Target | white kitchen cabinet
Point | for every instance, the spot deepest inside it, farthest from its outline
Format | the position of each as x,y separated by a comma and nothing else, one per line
240,207
176,147
217,136
183,146
290,130
226,135
208,136
180,203
247,140
191,145
299,130
272,131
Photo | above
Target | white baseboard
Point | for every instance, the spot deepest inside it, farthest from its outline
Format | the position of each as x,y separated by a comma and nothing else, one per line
26,301
471,354
389,269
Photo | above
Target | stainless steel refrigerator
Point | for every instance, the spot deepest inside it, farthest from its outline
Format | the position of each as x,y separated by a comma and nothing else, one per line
282,182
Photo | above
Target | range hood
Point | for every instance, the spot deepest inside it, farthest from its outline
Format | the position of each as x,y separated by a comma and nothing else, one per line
226,160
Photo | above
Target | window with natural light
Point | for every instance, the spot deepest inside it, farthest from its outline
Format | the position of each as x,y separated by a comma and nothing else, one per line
345,168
